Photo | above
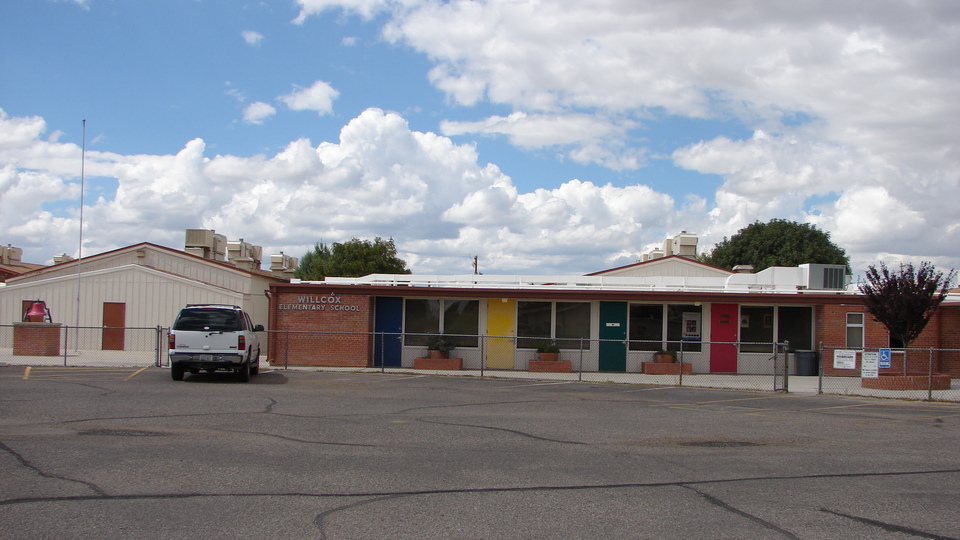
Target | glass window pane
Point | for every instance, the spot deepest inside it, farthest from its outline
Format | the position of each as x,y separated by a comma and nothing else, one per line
684,327
461,321
421,317
794,324
854,318
646,327
855,337
533,323
573,323
756,328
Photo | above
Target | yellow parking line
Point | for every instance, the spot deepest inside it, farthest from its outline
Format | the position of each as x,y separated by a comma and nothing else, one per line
135,373
26,373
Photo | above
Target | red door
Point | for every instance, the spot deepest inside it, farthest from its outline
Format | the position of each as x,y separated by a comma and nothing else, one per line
724,331
114,319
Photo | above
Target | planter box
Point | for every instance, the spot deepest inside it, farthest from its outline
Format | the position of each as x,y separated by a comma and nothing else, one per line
661,368
916,381
36,339
438,363
550,366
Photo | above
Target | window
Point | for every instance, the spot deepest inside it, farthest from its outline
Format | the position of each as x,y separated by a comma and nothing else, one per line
421,317
459,319
572,325
646,327
564,322
794,325
682,324
756,328
683,327
855,330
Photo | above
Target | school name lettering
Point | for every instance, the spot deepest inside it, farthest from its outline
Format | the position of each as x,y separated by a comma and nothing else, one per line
318,303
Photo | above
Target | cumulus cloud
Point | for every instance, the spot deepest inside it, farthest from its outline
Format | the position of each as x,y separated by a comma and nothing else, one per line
257,112
252,37
852,110
318,97
379,179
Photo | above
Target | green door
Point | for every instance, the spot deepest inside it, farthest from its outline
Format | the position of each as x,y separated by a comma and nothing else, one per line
613,336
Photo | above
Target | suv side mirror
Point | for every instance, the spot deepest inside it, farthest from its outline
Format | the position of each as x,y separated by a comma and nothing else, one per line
258,328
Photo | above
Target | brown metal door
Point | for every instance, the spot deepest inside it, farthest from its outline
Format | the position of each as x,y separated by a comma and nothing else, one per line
114,319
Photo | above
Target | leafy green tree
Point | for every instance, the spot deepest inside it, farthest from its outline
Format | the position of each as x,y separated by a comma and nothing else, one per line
905,300
353,258
777,243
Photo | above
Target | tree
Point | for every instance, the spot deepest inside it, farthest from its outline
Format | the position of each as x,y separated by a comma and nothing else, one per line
777,243
353,258
904,301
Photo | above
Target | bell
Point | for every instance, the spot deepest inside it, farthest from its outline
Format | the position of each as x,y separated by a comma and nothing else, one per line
37,313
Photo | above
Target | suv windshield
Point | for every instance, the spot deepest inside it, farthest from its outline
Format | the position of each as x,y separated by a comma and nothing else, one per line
212,319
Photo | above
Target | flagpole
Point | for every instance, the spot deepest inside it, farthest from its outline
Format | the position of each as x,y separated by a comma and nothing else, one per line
83,155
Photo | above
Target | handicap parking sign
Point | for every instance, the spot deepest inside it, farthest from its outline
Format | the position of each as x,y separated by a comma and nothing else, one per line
885,358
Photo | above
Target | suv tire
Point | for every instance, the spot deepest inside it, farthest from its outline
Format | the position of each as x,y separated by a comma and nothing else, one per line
243,374
176,371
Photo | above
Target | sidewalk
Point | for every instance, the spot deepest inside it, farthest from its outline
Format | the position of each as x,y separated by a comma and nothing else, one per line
795,383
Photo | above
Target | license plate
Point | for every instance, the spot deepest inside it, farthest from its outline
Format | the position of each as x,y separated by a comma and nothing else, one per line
206,357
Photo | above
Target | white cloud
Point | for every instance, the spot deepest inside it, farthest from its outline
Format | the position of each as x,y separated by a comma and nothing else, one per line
318,97
252,37
380,179
257,112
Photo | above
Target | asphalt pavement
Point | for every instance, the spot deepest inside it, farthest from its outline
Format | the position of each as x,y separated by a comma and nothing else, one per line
128,453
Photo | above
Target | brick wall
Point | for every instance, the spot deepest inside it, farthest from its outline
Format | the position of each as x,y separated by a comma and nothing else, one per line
324,330
942,332
36,339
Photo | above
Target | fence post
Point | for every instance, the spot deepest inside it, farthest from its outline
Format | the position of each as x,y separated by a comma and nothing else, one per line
580,363
930,376
483,343
286,349
681,363
66,337
820,368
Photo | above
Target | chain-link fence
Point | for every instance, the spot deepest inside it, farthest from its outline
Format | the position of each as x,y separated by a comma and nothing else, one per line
749,366
44,344
899,373
916,373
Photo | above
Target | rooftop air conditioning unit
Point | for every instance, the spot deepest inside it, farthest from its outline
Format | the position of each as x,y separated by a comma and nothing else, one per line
827,276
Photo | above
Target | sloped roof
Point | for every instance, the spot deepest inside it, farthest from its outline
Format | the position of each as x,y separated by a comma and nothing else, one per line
57,268
670,266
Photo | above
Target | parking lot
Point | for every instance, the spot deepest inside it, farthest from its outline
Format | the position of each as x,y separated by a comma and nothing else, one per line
128,453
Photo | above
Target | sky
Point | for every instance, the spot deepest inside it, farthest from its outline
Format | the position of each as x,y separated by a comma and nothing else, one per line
542,137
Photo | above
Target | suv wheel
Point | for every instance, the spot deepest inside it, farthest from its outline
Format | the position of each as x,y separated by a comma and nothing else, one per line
176,371
243,374
256,365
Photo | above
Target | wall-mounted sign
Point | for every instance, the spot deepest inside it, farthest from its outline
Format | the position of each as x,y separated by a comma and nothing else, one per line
869,365
318,303
844,359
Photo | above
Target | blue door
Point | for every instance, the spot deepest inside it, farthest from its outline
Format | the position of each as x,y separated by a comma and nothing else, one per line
387,327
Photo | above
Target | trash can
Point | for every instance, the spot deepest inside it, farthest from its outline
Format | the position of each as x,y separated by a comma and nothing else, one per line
806,363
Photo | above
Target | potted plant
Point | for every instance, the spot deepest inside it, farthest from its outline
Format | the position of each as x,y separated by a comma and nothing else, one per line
665,356
548,351
439,347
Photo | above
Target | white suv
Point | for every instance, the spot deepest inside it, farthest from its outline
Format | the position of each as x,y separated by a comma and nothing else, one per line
212,337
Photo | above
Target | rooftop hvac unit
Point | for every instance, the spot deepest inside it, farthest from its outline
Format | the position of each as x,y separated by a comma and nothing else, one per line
205,243
826,276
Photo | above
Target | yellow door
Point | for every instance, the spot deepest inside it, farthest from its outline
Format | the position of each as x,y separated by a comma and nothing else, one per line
502,329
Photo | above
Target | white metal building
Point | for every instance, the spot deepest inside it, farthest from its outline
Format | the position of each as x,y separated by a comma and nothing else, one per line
142,286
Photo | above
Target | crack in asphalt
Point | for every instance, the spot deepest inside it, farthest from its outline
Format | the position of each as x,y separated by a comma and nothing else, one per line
319,521
26,463
460,491
512,431
721,504
889,527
